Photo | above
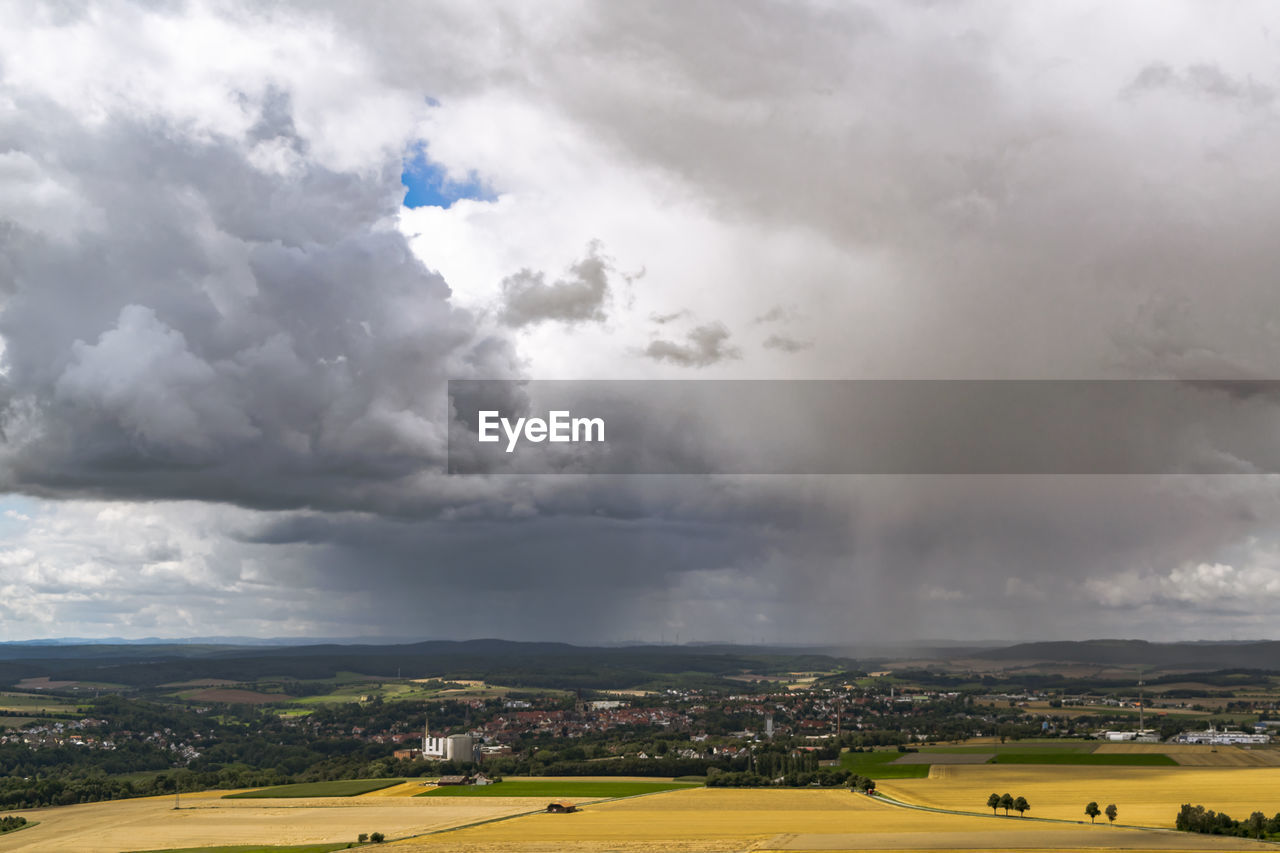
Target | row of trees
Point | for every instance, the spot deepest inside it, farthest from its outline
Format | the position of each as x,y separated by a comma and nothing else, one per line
1093,811
1198,819
826,777
1020,805
1006,802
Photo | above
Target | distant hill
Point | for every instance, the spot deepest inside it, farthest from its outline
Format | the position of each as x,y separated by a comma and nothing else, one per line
506,662
1262,654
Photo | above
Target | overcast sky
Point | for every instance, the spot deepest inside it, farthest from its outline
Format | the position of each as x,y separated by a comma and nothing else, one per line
242,248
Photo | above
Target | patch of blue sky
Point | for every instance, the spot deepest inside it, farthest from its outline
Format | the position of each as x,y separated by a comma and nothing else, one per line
16,512
427,184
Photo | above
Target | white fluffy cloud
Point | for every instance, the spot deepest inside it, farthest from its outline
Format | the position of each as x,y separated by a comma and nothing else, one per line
1251,588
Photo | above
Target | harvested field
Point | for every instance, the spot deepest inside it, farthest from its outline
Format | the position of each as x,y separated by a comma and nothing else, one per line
234,696
206,819
1202,755
1067,841
575,789
259,848
1086,758
1229,757
717,819
1145,796
409,788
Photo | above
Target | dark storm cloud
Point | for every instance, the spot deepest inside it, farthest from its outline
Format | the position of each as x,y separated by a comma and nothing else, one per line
192,310
226,333
1032,207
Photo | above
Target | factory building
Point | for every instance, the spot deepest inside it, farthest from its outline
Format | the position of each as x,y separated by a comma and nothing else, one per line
1219,738
459,748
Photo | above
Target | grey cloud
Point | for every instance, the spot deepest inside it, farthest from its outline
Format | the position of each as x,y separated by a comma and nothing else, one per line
180,322
776,314
663,319
1202,79
527,299
704,346
226,332
786,344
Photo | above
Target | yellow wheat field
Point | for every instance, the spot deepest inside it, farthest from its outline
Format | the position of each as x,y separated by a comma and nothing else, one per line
687,821
1145,796
718,820
151,823
411,788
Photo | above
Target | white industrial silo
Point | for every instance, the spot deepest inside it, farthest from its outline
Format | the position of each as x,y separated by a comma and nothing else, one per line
458,748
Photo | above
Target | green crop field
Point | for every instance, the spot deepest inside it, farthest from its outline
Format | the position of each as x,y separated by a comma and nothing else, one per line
1144,759
28,702
340,788
877,765
553,789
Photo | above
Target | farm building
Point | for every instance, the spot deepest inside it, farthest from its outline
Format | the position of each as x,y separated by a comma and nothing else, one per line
1142,736
454,780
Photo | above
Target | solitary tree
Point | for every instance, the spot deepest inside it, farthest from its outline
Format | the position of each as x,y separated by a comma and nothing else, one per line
1112,811
1092,811
1006,802
1020,805
993,802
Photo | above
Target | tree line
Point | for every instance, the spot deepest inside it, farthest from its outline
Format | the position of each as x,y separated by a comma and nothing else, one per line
826,777
1093,811
1208,822
1007,802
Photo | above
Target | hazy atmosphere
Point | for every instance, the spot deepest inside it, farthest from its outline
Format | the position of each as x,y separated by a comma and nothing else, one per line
243,248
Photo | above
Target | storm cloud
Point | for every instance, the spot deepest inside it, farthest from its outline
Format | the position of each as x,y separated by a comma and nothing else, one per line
226,341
